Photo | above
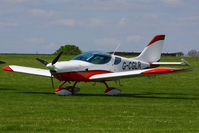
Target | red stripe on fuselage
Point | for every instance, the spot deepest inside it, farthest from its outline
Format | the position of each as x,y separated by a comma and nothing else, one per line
153,66
78,76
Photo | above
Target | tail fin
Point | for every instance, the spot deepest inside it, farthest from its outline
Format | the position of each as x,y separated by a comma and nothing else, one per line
152,51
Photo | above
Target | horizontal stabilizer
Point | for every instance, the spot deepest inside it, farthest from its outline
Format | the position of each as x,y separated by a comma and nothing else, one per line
28,70
184,62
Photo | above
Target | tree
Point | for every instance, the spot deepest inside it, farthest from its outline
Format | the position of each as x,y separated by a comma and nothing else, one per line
69,49
179,54
193,53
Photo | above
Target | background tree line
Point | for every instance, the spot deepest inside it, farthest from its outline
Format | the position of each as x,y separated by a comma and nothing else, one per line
71,49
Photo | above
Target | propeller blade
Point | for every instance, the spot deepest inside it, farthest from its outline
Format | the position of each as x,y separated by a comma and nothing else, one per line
52,81
42,61
57,58
2,62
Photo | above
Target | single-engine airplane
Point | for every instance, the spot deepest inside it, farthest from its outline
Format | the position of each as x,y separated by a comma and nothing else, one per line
101,67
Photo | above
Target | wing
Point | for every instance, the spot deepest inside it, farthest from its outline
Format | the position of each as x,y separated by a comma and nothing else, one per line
118,75
29,70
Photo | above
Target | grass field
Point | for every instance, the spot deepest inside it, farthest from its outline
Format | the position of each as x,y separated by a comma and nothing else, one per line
165,103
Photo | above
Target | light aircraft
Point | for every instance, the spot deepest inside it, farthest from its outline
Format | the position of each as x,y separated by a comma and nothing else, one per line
2,62
101,67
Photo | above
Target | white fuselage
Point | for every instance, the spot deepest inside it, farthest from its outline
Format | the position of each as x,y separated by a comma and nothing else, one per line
125,64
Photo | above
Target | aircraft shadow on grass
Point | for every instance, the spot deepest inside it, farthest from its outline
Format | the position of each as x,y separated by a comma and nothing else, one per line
135,95
6,89
151,96
28,92
44,93
144,95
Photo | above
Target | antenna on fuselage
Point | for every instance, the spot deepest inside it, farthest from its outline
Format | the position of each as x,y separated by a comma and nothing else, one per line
116,49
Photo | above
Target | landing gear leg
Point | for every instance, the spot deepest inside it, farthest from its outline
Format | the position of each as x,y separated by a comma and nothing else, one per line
73,87
60,87
111,91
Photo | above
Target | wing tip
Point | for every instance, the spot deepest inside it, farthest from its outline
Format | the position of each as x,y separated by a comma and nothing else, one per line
7,68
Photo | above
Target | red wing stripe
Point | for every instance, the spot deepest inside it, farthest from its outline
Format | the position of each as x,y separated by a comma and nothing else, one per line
161,70
7,68
157,38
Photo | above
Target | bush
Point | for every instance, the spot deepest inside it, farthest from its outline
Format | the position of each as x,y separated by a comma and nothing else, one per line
69,50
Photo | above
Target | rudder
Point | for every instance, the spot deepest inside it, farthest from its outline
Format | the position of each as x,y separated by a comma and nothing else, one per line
152,51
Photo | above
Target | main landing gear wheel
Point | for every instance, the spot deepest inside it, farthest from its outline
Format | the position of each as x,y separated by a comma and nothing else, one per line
63,92
112,91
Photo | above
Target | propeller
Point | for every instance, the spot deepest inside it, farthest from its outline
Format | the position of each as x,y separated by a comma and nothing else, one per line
42,61
51,65
2,62
53,62
57,58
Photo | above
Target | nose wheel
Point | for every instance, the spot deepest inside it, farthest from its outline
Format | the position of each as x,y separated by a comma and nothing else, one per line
69,90
111,91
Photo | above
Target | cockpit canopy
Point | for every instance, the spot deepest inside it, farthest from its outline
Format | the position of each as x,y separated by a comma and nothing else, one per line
94,57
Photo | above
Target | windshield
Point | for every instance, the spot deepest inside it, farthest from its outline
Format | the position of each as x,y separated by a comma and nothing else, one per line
94,57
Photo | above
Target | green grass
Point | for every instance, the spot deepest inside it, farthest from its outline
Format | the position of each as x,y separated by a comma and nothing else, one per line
165,103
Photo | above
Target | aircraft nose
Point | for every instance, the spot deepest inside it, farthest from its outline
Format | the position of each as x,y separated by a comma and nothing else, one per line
68,66
50,66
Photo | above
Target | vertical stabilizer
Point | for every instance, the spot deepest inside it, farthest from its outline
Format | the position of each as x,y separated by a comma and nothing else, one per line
152,51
